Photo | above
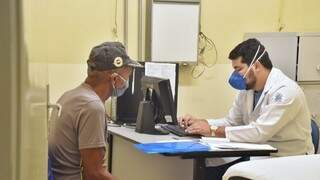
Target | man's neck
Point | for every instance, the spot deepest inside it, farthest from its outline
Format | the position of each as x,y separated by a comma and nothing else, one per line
102,90
262,81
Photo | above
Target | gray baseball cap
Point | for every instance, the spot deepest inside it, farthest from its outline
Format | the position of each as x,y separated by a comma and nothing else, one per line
110,55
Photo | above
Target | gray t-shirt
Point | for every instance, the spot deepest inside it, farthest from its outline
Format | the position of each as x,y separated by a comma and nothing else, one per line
81,125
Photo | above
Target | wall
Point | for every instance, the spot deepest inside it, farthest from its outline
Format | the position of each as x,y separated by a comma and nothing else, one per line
226,22
73,28
63,32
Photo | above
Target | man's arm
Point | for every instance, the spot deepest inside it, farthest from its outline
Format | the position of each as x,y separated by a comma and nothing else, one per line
92,162
283,107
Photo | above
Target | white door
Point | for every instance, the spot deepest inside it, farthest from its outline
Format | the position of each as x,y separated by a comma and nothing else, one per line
23,98
34,80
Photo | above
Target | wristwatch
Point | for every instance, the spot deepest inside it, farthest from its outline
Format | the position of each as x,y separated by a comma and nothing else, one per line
213,129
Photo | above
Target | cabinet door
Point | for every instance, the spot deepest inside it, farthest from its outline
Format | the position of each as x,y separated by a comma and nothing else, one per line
309,58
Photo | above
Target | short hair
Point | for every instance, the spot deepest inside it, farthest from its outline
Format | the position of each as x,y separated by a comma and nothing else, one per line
247,49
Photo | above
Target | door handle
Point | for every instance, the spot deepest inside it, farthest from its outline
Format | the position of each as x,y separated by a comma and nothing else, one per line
55,106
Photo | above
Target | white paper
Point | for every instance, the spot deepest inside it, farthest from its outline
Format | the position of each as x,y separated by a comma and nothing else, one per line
223,143
175,140
162,70
214,139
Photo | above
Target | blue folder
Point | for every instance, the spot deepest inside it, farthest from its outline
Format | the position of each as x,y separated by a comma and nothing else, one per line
172,147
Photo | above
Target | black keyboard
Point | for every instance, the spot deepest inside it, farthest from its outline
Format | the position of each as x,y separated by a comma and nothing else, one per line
177,130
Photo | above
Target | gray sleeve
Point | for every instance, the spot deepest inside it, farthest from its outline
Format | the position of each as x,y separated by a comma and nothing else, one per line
91,127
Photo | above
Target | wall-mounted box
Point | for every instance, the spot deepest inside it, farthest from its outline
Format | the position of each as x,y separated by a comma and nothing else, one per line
172,30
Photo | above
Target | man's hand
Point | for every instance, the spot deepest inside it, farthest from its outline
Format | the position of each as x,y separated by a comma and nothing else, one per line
201,126
186,121
221,132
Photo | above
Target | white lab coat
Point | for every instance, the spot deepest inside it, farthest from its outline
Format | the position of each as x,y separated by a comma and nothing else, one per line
281,117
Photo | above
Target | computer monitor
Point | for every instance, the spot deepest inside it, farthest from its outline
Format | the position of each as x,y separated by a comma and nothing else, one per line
125,107
157,105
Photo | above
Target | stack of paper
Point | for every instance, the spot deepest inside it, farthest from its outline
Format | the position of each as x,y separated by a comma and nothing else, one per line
223,143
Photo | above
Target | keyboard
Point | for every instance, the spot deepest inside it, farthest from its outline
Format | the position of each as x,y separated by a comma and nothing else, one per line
177,130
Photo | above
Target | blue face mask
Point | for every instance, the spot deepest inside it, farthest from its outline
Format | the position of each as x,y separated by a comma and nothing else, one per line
238,81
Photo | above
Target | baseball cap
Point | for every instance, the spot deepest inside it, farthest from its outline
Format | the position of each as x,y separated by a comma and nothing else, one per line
110,55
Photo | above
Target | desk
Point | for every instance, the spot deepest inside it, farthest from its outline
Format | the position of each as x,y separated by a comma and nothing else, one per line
130,137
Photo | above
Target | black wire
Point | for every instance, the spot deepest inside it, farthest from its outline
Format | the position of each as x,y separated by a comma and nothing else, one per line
208,46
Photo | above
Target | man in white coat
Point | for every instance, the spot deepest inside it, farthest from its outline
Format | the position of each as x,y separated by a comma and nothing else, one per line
269,108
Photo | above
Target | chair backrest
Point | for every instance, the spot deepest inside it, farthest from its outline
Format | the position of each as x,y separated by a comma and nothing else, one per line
315,135
50,173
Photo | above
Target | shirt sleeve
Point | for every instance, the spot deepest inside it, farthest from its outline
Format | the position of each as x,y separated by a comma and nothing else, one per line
283,107
91,127
234,117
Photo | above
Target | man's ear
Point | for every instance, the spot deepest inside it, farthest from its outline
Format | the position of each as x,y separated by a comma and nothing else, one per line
257,66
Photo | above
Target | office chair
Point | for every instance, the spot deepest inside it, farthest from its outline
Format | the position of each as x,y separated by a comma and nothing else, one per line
315,135
50,173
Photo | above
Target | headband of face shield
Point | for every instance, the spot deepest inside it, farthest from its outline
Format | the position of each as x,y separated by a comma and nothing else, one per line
119,92
238,81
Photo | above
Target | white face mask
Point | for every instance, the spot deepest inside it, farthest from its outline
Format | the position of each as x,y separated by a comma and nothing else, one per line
119,92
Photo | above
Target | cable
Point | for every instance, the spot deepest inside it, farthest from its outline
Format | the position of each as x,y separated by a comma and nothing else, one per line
209,45
115,28
196,72
206,45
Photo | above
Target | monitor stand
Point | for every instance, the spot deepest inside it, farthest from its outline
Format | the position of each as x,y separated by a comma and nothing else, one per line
146,119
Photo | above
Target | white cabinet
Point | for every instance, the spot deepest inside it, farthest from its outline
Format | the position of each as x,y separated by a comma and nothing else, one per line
295,54
309,57
282,50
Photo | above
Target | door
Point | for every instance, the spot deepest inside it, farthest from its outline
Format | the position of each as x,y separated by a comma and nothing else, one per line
34,80
23,124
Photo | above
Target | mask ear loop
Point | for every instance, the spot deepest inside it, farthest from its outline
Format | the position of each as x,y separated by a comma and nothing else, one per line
261,55
255,61
254,58
122,78
114,86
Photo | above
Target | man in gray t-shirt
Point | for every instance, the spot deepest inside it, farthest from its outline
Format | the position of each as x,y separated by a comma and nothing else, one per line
77,136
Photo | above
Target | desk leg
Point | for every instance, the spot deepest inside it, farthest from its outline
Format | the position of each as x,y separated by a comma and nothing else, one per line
110,149
199,169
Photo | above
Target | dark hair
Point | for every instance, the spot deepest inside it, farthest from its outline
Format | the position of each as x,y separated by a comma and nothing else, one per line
247,50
